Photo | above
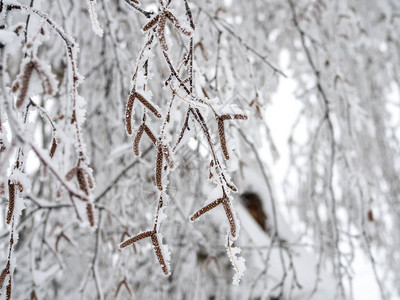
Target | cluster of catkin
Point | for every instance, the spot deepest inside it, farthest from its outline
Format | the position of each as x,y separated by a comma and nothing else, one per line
155,30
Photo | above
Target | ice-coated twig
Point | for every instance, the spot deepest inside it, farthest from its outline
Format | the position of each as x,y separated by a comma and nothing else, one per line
93,18
179,87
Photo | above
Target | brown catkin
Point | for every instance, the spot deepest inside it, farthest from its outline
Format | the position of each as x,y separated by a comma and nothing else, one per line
80,175
25,84
71,173
125,233
53,147
205,209
47,87
177,24
148,105
151,23
240,117
150,134
90,181
159,164
128,112
135,238
160,32
89,213
8,290
137,140
167,155
11,201
157,250
3,274
233,117
221,131
2,188
231,186
189,15
229,215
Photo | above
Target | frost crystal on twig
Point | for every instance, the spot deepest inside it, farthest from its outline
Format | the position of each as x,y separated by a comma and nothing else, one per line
93,18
